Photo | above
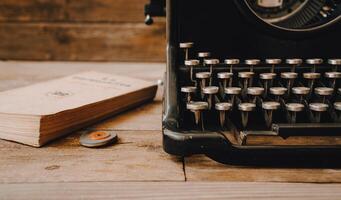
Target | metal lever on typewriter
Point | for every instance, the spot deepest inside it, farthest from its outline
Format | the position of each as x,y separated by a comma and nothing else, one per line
156,8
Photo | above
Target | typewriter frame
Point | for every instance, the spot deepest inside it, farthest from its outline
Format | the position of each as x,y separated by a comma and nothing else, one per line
216,145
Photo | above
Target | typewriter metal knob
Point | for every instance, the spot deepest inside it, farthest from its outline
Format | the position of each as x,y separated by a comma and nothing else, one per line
314,61
332,75
188,90
186,46
289,75
197,108
224,75
324,92
246,74
294,61
211,61
203,55
245,108
292,109
278,91
251,63
203,76
231,61
191,64
233,90
301,92
210,91
222,108
267,76
317,108
311,75
269,107
273,61
336,62
254,92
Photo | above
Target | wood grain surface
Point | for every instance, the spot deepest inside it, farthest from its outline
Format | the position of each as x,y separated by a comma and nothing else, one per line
73,30
136,167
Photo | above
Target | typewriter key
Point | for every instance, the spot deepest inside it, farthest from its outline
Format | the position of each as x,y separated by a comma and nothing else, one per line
301,92
317,109
290,77
292,109
232,92
254,92
202,56
197,108
210,91
269,107
273,62
211,63
278,92
231,62
97,138
224,77
267,81
335,62
252,63
311,77
189,91
324,92
246,80
203,76
332,76
223,108
191,64
314,62
294,62
337,107
245,108
186,46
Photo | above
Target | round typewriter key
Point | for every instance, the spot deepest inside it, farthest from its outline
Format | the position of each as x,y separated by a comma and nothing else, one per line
300,90
267,76
269,107
224,75
334,61
189,90
311,75
317,108
98,138
211,61
255,91
324,91
186,46
252,62
278,91
191,64
210,91
197,107
288,75
314,61
332,75
273,61
337,106
246,74
222,108
293,108
203,75
204,54
231,61
245,108
294,61
233,90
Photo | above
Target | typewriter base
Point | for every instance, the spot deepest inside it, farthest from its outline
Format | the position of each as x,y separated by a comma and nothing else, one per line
216,146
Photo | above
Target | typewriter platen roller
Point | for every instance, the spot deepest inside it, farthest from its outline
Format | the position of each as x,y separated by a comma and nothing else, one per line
253,80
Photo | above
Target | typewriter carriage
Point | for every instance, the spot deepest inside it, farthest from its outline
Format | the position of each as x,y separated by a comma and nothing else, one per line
227,34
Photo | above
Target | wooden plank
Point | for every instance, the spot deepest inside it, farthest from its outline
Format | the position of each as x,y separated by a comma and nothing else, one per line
72,10
171,190
137,157
201,168
76,42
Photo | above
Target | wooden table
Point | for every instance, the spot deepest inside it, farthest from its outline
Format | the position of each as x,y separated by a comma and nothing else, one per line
136,167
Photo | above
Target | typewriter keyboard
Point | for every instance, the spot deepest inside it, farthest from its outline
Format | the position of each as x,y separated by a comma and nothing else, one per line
290,96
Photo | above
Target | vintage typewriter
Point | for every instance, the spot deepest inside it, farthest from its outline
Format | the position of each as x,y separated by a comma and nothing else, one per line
253,81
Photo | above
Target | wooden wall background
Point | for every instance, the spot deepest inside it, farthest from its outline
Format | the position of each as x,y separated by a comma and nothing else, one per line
79,30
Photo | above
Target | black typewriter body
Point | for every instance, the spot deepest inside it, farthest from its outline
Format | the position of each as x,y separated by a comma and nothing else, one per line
209,115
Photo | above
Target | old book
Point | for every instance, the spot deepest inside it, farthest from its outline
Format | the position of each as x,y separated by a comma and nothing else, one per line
36,114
